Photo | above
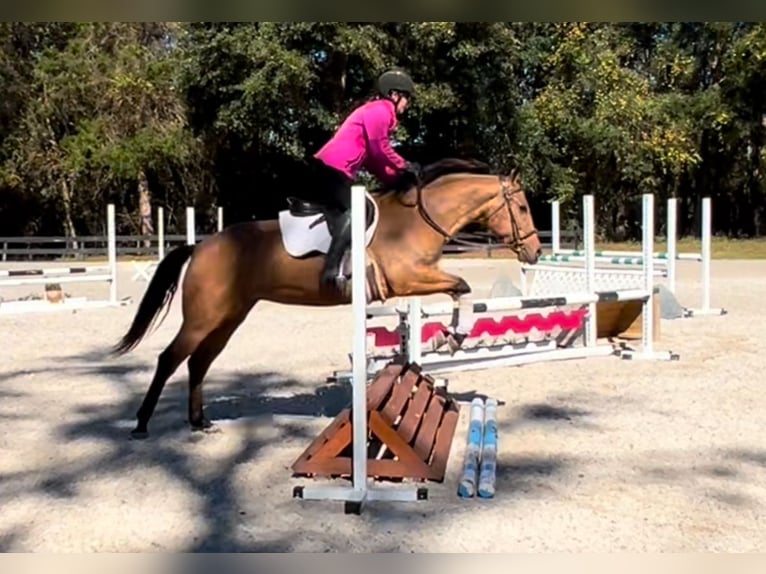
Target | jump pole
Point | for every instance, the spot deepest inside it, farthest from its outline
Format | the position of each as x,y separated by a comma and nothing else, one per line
706,225
488,468
469,479
191,235
671,232
589,223
190,226
111,251
361,490
160,234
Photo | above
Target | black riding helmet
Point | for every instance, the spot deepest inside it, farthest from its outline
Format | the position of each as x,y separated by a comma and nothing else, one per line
395,79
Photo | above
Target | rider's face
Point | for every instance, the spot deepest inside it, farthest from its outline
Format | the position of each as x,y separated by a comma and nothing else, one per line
402,103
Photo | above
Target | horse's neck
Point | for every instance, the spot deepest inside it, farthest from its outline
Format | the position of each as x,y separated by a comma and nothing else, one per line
452,203
455,203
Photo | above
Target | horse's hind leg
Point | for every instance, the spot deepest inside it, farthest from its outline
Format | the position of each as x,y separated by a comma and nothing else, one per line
199,363
174,354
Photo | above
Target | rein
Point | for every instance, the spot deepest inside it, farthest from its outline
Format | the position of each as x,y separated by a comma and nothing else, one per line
505,188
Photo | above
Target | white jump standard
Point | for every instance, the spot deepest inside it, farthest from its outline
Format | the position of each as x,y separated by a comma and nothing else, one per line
361,491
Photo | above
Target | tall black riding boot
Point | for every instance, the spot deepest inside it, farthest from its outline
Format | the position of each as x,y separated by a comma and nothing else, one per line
339,224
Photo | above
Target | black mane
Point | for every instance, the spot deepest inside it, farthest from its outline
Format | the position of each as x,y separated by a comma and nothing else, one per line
451,165
440,168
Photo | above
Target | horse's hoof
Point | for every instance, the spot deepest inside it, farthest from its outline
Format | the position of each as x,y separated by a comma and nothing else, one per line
206,427
455,341
438,341
137,434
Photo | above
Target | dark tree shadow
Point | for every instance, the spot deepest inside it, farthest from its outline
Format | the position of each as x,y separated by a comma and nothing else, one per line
723,476
8,539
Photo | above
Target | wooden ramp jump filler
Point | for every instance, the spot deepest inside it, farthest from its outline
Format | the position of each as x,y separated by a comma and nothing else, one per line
624,319
411,423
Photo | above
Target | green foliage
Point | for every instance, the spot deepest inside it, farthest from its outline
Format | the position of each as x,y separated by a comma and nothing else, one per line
228,113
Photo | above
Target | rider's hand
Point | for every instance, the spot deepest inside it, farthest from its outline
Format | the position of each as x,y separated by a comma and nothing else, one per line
414,168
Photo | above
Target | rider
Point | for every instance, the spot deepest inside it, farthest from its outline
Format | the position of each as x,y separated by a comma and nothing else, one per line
361,141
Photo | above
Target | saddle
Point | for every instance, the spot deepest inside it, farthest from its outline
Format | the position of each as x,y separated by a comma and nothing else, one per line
302,208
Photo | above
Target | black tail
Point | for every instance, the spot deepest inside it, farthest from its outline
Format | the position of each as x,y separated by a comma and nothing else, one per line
158,295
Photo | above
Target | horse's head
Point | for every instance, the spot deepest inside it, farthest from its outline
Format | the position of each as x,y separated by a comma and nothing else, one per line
466,192
509,216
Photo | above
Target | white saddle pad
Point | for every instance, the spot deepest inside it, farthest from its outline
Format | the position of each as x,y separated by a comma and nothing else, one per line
302,235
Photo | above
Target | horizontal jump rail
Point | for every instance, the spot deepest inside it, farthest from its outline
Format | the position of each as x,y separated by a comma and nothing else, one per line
615,260
53,271
583,270
658,255
520,303
50,279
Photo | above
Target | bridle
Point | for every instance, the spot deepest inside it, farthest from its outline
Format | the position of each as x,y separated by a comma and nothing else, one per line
516,241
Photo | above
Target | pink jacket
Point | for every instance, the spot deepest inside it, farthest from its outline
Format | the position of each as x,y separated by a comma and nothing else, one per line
362,140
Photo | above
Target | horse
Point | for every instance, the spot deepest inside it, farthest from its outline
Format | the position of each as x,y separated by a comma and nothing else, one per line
280,260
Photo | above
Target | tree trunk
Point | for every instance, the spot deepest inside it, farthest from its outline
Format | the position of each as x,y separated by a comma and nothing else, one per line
145,207
66,198
756,186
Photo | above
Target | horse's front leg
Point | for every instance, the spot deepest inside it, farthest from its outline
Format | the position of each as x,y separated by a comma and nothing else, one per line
432,281
462,320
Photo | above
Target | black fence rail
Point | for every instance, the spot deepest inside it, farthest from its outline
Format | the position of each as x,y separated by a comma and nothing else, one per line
147,246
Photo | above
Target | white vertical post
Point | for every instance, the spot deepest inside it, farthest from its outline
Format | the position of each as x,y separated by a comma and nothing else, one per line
190,233
415,324
706,255
111,248
647,309
220,218
647,242
359,303
672,233
555,228
589,241
161,233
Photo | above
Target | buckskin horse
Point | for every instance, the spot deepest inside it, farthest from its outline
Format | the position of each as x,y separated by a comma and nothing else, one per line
280,260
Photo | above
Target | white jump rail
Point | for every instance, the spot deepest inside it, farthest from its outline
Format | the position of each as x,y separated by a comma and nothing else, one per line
361,490
66,275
